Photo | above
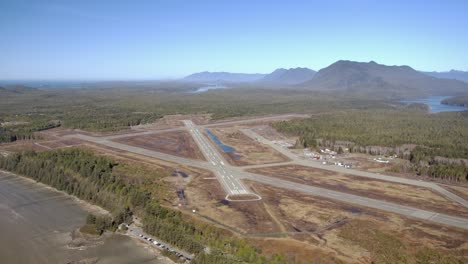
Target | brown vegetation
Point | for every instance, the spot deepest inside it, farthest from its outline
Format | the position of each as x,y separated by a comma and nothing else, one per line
208,198
398,193
355,234
171,121
248,151
177,143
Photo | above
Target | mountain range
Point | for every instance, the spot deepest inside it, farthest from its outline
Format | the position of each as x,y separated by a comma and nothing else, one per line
374,78
349,77
353,77
288,76
278,77
453,74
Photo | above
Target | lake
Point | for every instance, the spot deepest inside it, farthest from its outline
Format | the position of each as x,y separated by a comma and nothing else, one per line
36,224
209,87
435,106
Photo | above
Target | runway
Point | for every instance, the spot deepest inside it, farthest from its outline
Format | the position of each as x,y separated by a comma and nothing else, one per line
361,201
314,164
230,183
230,177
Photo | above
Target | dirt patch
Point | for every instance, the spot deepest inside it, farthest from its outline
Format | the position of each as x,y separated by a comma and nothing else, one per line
55,144
171,121
313,221
269,133
247,151
177,143
393,192
22,145
367,163
207,197
304,213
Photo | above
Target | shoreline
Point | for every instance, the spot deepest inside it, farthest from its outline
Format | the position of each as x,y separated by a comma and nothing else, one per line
87,206
95,209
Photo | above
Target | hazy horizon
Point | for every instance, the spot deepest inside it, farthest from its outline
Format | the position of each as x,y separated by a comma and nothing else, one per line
156,79
116,40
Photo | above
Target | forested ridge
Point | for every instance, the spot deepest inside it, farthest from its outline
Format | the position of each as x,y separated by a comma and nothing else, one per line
99,180
435,135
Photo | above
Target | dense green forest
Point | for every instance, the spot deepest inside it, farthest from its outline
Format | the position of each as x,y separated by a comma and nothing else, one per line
104,182
14,128
118,108
436,135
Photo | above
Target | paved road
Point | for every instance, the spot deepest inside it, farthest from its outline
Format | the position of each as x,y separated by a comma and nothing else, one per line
142,133
141,151
223,172
258,119
231,181
151,132
362,201
315,164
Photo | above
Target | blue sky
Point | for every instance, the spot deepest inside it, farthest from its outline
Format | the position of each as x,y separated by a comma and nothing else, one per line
93,40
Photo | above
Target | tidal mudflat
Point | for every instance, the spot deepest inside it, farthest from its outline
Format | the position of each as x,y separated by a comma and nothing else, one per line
37,222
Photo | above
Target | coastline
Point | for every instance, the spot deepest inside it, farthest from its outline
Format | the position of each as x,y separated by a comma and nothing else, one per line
60,229
87,206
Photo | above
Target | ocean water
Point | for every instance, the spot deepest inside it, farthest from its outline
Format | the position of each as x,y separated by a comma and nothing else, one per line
36,224
435,105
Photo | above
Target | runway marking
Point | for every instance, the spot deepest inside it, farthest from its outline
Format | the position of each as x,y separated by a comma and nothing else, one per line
238,187
229,183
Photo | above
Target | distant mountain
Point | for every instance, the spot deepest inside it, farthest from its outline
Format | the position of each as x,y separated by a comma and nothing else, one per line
453,74
223,77
377,79
289,76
